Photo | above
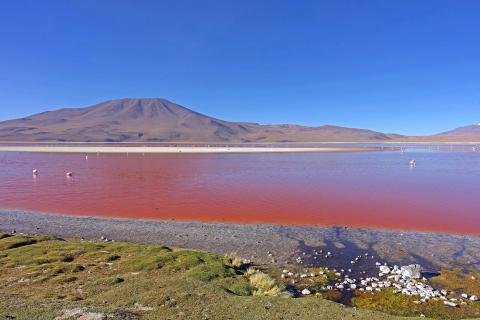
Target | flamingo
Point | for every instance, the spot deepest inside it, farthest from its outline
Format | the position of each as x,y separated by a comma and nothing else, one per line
69,174
34,172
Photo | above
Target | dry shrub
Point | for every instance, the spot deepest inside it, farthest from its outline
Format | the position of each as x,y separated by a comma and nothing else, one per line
264,284
233,260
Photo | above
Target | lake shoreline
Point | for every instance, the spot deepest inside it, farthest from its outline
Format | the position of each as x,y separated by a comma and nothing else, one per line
182,149
277,244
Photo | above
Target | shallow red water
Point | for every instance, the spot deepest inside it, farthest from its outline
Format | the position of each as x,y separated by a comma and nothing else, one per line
375,189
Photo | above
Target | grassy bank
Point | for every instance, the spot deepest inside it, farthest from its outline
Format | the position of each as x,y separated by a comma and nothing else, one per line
47,278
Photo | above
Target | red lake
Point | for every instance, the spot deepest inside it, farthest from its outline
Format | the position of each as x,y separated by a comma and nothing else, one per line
366,189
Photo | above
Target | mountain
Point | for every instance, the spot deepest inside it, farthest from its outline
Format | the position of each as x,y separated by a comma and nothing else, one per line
466,131
159,120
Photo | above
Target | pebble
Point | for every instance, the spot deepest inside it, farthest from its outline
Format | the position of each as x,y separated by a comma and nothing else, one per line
306,292
450,304
384,269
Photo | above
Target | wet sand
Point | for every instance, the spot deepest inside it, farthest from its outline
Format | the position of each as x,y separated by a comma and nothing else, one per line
182,149
263,243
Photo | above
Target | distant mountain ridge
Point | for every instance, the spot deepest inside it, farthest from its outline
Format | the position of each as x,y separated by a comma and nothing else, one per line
470,130
159,120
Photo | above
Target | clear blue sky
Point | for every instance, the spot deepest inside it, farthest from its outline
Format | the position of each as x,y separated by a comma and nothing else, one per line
411,67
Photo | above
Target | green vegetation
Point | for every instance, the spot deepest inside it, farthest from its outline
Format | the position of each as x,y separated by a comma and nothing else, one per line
456,282
403,305
459,282
46,277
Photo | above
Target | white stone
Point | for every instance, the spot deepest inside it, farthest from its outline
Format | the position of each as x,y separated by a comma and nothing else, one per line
412,271
306,292
384,269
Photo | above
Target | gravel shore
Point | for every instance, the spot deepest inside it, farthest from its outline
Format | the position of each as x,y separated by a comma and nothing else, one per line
263,243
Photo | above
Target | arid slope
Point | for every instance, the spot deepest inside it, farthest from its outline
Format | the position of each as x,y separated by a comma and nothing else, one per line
159,120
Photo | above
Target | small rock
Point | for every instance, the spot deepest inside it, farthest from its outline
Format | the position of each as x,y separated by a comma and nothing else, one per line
306,292
141,307
412,271
450,304
385,269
